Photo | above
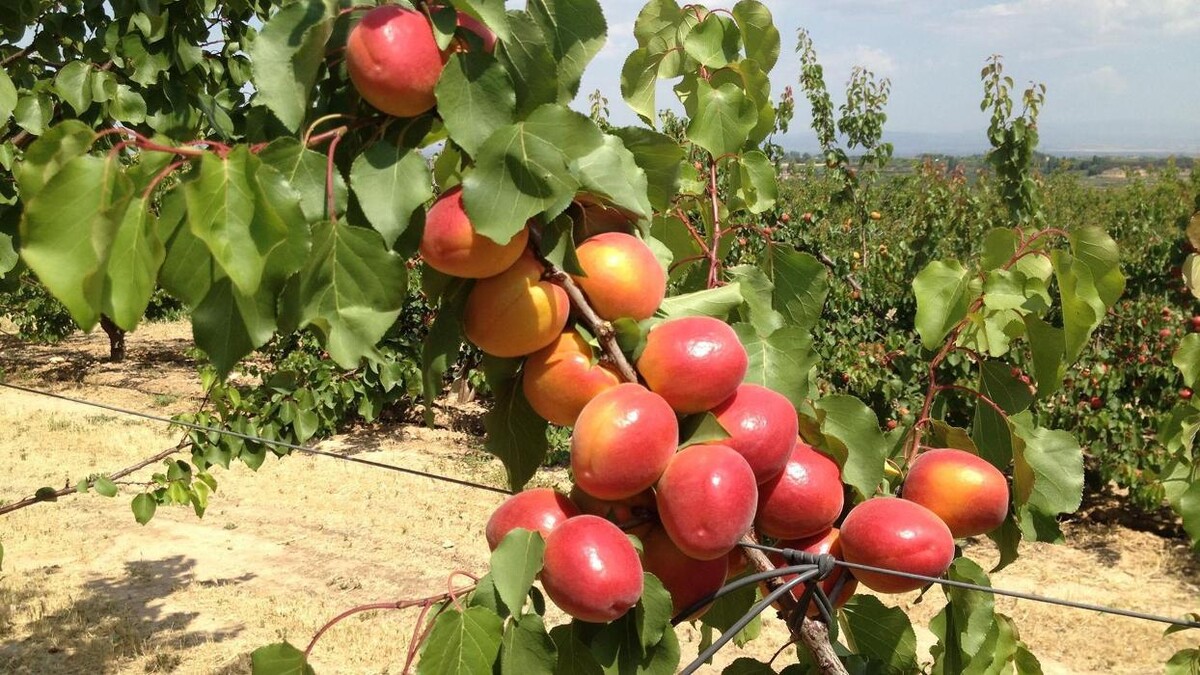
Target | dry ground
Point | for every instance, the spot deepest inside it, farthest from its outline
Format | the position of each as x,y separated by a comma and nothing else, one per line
86,590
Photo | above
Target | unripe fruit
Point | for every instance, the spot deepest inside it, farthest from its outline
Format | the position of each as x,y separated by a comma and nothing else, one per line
536,510
636,515
394,61
560,378
805,499
693,362
762,426
515,312
591,570
828,542
622,276
896,534
706,500
964,490
622,442
687,580
451,245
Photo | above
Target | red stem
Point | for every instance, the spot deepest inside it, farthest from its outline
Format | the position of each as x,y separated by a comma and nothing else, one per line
158,177
330,198
977,394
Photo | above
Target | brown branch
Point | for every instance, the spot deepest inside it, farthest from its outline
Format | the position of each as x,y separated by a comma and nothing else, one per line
811,633
828,262
14,56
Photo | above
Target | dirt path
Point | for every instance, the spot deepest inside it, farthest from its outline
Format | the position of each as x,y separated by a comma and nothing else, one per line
86,590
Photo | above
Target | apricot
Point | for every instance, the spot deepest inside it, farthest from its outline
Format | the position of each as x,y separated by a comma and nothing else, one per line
805,499
515,312
536,510
706,500
593,219
451,245
622,278
636,515
762,425
468,22
563,376
394,61
687,580
622,442
829,542
964,490
694,362
896,534
591,570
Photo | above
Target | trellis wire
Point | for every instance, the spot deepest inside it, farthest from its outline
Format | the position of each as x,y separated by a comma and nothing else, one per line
810,567
256,439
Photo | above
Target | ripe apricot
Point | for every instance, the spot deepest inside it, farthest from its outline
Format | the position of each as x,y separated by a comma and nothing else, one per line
563,376
896,534
694,362
636,515
687,580
394,61
964,490
622,278
515,312
591,570
622,441
762,425
451,245
706,500
804,499
538,509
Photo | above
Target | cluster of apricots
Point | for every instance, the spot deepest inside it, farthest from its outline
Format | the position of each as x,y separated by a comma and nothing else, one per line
688,506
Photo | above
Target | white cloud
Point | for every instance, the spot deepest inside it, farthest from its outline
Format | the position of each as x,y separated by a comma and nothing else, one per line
873,59
1106,80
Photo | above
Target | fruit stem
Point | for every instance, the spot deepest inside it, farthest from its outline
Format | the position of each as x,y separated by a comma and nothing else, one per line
813,634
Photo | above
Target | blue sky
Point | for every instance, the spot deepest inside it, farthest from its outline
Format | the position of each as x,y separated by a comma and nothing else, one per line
1121,75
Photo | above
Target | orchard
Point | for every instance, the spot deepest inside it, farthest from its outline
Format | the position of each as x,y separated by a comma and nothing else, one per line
333,170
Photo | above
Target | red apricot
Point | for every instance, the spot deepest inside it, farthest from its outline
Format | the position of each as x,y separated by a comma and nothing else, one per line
636,515
622,441
451,245
394,61
591,570
804,499
964,490
622,278
693,362
829,542
563,376
762,425
687,579
538,509
706,500
899,535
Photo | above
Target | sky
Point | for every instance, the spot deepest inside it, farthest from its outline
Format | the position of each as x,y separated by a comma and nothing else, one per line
1121,75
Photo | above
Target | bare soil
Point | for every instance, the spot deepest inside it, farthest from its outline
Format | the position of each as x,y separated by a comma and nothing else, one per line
84,589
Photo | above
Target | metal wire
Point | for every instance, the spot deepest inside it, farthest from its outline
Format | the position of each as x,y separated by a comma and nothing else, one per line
256,439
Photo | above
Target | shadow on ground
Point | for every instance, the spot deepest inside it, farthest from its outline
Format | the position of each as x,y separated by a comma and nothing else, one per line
114,620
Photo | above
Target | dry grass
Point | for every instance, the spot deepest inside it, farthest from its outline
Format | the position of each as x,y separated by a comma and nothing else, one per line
85,590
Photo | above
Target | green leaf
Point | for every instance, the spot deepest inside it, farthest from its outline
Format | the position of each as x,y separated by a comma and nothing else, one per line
127,105
881,633
1099,254
305,171
1184,662
475,98
942,300
8,255
440,349
715,302
522,170
576,31
963,625
228,325
1007,538
280,658
714,42
286,56
660,157
990,431
515,563
352,289
759,34
1048,473
390,183
747,666
754,182
527,58
144,506
700,429
105,487
1188,507
611,171
73,86
515,433
723,119
462,643
653,612
1187,358
848,431
491,13
782,361
8,97
137,253
188,270
527,648
801,286
33,113
757,309
68,228
1048,347
999,246
574,657
639,82
48,154
731,607
558,244
619,649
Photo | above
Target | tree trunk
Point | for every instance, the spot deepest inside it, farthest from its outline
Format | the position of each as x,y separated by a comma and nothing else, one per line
116,339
